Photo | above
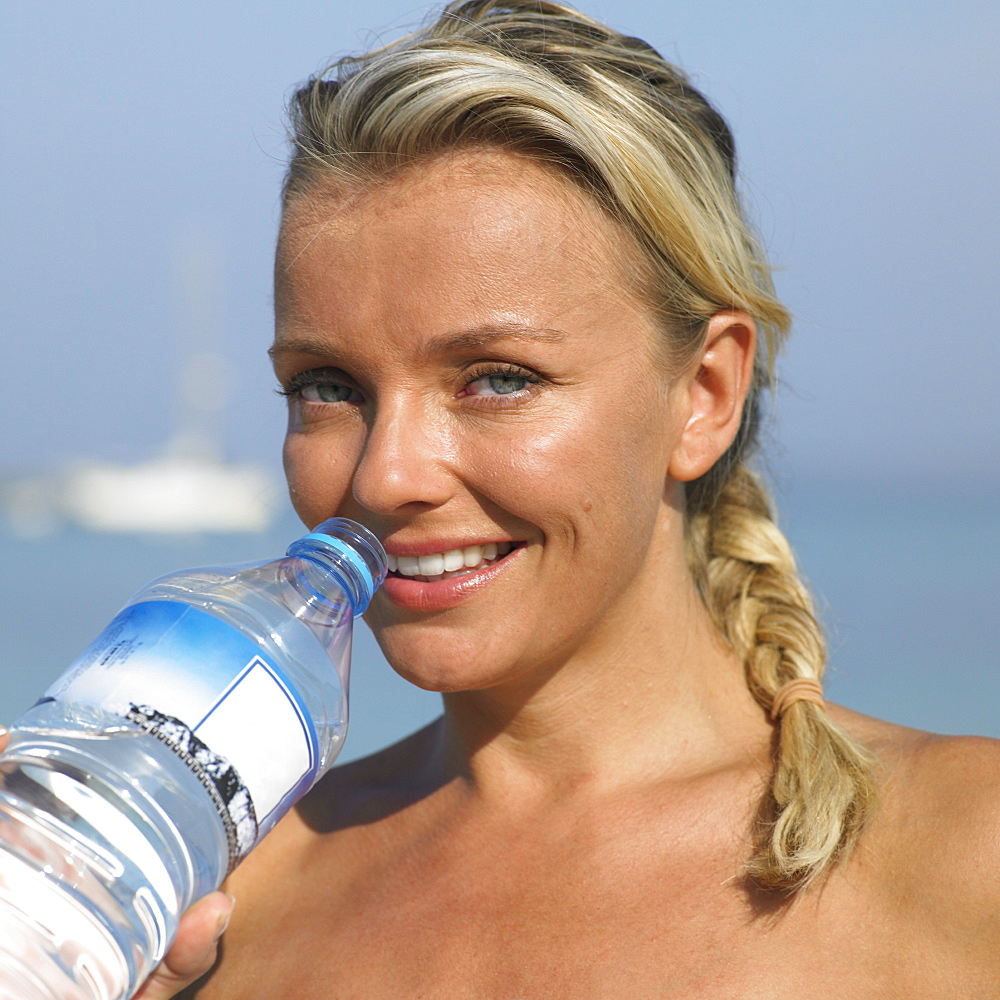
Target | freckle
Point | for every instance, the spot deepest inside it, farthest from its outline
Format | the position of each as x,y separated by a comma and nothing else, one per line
587,506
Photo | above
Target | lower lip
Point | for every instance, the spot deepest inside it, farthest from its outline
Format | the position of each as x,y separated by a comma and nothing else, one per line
439,595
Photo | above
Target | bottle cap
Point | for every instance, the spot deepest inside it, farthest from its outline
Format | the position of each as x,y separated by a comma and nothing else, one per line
357,550
350,553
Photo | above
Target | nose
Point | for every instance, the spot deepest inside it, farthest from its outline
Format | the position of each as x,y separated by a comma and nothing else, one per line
406,462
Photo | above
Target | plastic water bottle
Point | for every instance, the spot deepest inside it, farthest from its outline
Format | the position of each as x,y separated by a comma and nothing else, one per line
210,704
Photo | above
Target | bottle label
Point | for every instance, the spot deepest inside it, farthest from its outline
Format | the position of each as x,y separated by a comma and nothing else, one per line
203,688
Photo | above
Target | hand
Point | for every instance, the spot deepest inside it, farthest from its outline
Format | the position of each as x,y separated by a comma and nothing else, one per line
193,951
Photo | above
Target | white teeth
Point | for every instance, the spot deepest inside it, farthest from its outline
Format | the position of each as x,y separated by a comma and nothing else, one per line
409,565
391,562
431,565
453,560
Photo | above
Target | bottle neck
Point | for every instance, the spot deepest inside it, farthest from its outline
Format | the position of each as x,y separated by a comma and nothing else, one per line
333,570
317,591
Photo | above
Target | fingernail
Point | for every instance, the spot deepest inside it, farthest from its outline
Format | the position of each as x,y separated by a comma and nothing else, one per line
224,919
3,730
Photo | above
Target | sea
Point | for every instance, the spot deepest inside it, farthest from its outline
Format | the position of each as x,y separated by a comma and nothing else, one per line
907,584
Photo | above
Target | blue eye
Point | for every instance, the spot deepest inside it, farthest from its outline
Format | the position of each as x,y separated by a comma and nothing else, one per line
327,392
506,381
321,386
504,385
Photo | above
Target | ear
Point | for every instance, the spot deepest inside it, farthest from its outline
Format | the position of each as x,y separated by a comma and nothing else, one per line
711,392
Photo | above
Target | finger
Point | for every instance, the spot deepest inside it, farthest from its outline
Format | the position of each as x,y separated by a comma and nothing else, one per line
4,738
194,949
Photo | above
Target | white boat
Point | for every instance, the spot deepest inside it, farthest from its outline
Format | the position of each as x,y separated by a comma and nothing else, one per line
169,495
188,488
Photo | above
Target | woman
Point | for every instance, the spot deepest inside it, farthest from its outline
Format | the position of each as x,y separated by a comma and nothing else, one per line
524,330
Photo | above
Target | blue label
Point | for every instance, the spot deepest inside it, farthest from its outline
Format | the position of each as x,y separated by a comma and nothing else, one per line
207,691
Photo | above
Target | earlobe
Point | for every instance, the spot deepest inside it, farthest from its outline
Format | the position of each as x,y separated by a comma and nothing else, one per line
713,391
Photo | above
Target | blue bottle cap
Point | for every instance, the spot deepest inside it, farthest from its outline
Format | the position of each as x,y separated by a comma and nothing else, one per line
348,552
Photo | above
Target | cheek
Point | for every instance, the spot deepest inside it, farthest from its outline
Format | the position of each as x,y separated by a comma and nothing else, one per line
319,477
589,469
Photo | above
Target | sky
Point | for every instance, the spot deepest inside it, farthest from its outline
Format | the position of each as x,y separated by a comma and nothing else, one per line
137,138
142,142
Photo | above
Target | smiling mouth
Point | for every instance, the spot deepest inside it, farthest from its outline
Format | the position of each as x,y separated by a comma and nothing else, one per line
447,565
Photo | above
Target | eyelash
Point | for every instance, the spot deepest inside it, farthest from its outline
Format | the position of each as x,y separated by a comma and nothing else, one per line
315,376
505,371
326,376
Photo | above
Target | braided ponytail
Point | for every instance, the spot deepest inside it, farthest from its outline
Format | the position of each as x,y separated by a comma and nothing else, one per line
822,788
539,78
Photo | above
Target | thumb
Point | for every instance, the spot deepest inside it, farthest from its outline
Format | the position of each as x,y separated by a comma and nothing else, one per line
194,949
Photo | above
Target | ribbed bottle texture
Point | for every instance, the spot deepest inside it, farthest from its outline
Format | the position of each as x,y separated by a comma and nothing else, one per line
158,760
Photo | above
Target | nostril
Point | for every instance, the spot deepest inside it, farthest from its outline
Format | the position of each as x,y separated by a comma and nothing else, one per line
403,466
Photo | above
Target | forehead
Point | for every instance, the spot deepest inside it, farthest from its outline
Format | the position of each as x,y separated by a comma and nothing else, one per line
457,246
468,214
482,184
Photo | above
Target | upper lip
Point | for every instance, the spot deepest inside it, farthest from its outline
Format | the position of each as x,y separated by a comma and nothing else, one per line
435,546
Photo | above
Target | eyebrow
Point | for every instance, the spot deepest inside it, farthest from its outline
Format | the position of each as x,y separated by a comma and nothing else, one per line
486,334
475,337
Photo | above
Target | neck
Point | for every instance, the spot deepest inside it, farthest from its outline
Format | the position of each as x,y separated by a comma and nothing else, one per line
658,695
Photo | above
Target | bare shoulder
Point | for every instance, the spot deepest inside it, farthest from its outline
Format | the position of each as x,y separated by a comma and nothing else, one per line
936,836
321,851
944,779
347,802
366,789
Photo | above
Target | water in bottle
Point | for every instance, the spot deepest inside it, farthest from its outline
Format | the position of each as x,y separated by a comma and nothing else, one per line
154,764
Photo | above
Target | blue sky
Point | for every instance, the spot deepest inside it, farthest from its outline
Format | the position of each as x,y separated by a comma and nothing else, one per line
869,136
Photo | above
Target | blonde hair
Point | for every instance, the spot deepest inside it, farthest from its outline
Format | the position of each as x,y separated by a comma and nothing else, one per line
543,80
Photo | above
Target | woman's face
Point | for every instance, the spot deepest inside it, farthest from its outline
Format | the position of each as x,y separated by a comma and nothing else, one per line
469,375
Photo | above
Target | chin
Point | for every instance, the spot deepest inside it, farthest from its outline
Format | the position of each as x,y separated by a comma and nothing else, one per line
431,663
443,683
